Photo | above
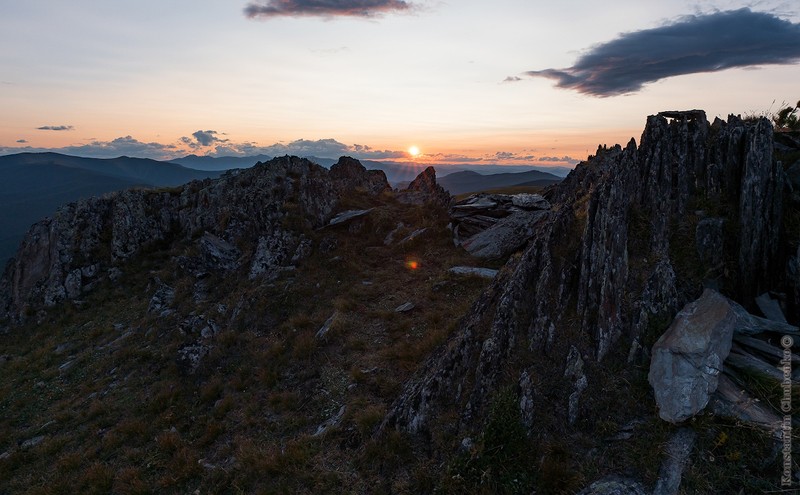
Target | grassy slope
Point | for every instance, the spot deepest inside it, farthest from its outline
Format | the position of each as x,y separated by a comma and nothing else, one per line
118,414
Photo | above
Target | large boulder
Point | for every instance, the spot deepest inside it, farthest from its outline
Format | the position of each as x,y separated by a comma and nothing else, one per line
687,359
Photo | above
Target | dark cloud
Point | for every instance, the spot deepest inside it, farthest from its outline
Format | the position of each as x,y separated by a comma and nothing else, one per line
55,128
324,8
203,139
692,44
22,141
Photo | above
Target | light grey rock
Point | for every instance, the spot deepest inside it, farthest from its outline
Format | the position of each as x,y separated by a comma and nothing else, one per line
414,235
474,271
506,236
574,372
389,239
678,451
687,359
348,215
326,327
404,308
528,201
32,442
218,253
273,252
526,402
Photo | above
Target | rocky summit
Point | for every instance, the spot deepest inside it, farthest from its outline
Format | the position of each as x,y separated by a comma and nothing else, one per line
294,329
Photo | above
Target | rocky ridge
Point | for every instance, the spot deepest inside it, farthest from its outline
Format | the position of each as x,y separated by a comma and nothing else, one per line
251,219
634,233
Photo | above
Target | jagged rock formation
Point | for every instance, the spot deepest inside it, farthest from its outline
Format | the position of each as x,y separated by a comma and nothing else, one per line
424,189
621,252
251,219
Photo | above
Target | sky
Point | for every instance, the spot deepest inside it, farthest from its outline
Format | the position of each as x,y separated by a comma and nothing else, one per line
507,81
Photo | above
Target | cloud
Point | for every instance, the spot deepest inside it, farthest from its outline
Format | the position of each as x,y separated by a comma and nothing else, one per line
324,8
691,44
21,141
55,128
202,139
511,79
121,146
507,155
322,148
558,159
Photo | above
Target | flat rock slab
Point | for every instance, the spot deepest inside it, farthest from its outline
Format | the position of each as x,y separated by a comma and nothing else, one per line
506,236
474,271
348,215
687,359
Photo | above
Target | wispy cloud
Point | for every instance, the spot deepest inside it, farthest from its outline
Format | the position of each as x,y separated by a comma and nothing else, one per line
22,141
211,144
324,148
55,128
121,146
324,8
691,44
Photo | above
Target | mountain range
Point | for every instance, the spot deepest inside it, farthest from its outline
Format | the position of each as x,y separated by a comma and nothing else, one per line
34,185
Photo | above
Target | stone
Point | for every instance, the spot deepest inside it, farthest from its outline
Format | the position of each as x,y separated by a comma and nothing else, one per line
389,239
574,372
32,442
404,308
326,327
732,401
474,271
218,253
678,450
687,359
506,236
272,253
414,235
348,215
529,201
614,485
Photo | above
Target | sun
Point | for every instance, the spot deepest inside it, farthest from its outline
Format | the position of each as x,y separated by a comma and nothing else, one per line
413,150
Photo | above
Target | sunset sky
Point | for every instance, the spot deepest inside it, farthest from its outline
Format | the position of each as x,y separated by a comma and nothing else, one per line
466,81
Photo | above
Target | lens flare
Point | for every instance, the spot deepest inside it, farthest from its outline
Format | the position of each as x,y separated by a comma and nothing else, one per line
412,264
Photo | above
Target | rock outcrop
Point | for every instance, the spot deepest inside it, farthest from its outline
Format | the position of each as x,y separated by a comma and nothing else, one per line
247,220
493,226
619,253
424,189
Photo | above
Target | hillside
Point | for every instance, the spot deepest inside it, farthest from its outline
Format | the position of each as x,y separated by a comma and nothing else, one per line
468,181
295,329
34,185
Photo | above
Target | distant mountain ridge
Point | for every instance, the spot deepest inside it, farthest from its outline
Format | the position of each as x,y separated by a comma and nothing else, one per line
469,181
34,185
396,172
